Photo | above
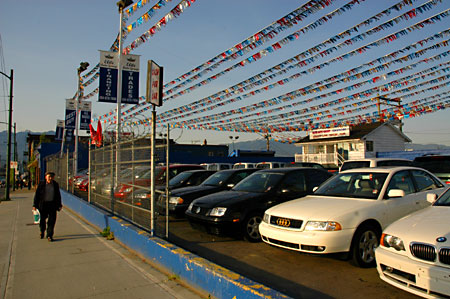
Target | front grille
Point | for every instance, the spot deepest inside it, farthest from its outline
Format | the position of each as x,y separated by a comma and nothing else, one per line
444,256
285,222
199,210
423,251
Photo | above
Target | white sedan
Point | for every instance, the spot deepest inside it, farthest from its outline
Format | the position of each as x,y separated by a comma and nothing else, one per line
349,211
415,251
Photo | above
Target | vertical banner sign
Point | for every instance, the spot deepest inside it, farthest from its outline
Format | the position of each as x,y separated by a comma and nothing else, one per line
70,113
59,130
85,119
69,134
107,91
154,92
130,79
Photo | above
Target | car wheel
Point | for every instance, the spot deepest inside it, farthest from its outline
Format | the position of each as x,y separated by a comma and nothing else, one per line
365,240
251,228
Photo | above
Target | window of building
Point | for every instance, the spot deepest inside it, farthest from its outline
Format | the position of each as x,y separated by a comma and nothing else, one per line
369,146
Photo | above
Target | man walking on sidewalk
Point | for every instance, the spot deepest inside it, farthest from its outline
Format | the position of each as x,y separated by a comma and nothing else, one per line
48,200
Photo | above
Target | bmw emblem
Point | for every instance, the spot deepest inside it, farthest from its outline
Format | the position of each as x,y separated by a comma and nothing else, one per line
441,239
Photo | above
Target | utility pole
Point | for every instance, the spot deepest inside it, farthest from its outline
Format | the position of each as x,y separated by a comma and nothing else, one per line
387,102
267,137
15,156
8,158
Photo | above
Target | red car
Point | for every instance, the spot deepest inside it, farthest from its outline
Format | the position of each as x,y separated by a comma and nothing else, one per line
84,185
125,189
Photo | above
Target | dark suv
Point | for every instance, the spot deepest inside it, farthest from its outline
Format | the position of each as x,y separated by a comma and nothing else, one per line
436,164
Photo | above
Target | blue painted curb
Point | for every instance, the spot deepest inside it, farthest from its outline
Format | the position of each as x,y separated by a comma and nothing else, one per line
213,279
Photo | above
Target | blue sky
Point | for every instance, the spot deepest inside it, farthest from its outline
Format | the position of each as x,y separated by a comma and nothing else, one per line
45,41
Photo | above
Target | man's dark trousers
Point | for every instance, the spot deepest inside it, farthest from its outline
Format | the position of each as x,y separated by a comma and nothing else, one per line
48,211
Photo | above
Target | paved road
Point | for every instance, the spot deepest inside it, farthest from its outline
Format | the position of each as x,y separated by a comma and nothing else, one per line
295,274
78,264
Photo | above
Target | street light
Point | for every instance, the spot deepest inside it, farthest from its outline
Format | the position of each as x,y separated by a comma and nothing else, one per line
82,68
121,5
8,158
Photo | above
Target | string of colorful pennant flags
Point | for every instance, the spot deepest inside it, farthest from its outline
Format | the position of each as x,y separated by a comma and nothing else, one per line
332,113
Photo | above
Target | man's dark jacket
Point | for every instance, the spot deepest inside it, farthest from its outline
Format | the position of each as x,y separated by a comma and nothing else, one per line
39,196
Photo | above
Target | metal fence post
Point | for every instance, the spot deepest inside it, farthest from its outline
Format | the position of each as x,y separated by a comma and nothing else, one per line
167,183
67,172
152,163
89,172
112,178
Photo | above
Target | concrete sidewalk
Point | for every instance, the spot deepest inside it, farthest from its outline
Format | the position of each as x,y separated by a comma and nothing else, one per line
78,264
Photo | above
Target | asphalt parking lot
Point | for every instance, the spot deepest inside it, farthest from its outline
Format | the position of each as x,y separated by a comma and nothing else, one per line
295,274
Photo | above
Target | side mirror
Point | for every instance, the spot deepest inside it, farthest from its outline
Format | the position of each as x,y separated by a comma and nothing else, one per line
431,197
396,193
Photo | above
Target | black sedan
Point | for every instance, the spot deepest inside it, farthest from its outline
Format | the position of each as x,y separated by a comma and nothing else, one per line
240,210
184,179
180,198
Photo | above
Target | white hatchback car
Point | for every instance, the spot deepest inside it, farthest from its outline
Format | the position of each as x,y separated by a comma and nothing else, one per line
414,254
349,211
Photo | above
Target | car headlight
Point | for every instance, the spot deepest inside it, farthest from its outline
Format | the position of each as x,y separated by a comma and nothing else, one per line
266,218
323,226
190,206
175,200
392,241
218,212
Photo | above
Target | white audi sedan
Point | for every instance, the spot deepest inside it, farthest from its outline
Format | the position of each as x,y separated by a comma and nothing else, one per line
349,211
414,254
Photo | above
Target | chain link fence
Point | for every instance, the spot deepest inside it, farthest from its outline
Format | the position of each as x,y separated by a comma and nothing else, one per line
118,180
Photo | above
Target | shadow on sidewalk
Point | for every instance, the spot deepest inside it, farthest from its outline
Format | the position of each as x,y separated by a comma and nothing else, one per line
75,236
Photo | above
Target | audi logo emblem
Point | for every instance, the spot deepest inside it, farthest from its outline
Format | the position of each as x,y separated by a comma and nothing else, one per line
283,222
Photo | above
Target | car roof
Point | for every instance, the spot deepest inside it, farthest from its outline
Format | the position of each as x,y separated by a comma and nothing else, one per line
377,159
287,169
386,169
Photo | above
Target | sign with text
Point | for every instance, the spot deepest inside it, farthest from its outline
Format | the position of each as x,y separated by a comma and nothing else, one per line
59,130
130,79
71,111
329,133
85,115
107,90
154,94
69,134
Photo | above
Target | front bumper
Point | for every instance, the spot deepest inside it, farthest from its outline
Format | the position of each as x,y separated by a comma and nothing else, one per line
307,241
419,278
214,225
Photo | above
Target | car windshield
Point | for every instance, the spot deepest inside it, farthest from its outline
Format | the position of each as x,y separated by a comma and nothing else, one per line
180,178
354,185
444,200
259,182
148,173
355,164
218,179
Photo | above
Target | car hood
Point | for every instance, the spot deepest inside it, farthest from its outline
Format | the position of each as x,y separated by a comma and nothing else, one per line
226,198
320,207
194,190
424,225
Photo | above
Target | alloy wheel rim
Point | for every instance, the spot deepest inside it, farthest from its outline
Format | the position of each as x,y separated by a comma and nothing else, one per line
253,227
367,245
